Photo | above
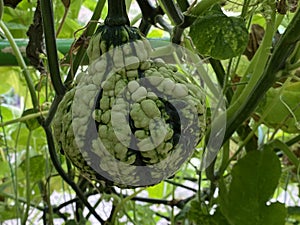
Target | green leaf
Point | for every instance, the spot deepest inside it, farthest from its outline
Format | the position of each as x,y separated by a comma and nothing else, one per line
285,108
70,26
90,4
19,134
219,36
156,191
273,214
155,33
5,113
39,140
7,212
37,168
10,78
254,180
5,170
196,213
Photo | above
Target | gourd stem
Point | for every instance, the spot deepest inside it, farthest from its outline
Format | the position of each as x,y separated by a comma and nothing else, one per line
117,14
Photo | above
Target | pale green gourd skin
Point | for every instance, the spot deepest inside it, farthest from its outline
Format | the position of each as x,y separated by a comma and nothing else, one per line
158,156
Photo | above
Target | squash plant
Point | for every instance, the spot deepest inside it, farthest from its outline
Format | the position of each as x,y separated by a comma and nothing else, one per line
165,112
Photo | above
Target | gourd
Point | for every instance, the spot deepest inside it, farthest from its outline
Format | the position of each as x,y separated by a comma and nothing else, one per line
131,120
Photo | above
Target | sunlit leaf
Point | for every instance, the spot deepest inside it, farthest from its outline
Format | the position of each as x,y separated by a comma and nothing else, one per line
6,113
156,191
155,33
90,4
219,36
10,78
9,112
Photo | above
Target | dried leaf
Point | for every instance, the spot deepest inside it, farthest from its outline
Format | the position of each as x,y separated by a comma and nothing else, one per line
35,45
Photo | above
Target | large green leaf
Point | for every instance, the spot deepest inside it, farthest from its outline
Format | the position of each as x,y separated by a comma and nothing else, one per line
283,108
254,180
10,78
37,168
219,36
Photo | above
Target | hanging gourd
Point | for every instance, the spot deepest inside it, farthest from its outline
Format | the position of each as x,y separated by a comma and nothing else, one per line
131,120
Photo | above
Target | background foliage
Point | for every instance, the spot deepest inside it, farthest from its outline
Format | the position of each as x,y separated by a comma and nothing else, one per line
251,48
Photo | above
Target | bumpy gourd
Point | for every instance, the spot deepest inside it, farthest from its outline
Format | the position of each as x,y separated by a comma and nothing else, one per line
130,120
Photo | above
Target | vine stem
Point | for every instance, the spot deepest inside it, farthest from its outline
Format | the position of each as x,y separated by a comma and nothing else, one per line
249,99
294,66
255,127
62,173
47,14
24,118
51,48
293,140
27,181
149,15
257,64
276,144
173,12
1,9
62,22
22,64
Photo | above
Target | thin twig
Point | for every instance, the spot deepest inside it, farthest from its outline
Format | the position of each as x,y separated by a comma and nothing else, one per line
181,185
82,50
24,118
62,22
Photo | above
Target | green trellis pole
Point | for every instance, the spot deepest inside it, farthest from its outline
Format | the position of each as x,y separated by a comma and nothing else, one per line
7,57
